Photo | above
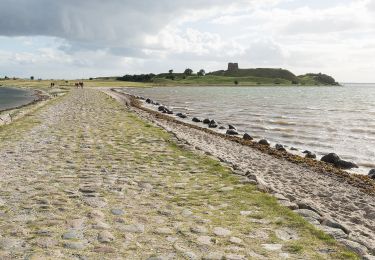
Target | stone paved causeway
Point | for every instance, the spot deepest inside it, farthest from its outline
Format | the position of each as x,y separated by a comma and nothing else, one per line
83,178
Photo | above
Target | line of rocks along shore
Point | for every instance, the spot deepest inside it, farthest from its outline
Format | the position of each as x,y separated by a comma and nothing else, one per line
331,158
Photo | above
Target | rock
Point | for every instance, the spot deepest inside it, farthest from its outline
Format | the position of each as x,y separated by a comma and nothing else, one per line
286,234
104,249
221,232
206,121
371,174
280,147
232,127
264,142
105,237
288,204
222,127
164,231
334,159
186,213
345,165
72,234
118,212
134,228
310,155
231,132
330,158
149,101
213,256
293,149
196,120
198,230
336,233
162,108
101,225
181,115
333,224
306,152
213,124
234,257
272,247
246,213
75,245
236,240
354,246
204,240
246,136
306,213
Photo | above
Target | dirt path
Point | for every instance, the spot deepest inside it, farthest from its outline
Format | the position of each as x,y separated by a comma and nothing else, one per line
83,178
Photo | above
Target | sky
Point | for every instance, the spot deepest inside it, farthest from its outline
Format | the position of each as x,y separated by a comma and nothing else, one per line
90,38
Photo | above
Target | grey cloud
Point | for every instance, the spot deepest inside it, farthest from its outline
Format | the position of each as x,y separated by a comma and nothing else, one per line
91,23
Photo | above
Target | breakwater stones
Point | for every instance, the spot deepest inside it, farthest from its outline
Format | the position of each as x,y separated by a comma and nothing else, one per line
213,124
330,158
334,159
248,137
371,174
231,132
264,142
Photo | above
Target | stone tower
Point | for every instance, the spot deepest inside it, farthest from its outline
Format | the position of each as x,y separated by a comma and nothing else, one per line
232,66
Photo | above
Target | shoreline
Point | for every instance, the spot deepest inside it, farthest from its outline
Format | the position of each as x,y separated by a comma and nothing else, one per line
39,96
298,183
358,180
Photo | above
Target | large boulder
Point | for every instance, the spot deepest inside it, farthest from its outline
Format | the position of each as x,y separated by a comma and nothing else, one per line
206,121
232,132
334,159
196,120
181,115
264,142
246,136
331,158
149,101
371,174
232,127
280,147
310,155
213,124
346,165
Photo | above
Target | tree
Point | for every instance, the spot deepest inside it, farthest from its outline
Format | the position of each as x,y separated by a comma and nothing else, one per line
170,71
188,72
236,82
201,72
32,77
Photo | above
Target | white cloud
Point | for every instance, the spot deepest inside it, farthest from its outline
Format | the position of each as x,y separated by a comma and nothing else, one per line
122,36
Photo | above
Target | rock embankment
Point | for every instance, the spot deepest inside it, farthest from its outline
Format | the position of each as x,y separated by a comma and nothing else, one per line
329,201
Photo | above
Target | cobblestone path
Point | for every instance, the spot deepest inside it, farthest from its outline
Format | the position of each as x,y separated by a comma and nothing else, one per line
83,178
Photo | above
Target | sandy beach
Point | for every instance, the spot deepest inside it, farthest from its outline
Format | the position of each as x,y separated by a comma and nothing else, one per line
345,210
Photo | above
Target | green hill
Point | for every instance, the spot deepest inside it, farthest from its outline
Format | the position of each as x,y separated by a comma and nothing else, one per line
234,76
258,72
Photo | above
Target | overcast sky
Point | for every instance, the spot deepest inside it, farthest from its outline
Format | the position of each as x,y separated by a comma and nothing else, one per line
88,38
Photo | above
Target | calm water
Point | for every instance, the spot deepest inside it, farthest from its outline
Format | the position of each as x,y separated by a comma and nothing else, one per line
320,119
14,97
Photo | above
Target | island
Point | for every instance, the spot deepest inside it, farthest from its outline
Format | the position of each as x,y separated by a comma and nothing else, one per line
234,75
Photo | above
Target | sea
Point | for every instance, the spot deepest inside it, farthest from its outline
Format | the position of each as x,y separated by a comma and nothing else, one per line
339,119
14,97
